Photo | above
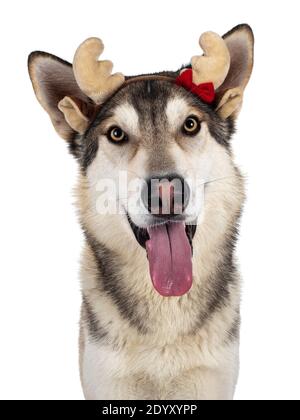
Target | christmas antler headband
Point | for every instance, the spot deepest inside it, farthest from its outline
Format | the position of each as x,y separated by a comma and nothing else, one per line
94,77
206,74
95,80
73,94
208,71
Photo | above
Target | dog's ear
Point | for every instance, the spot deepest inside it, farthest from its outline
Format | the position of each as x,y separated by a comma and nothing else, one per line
240,43
57,91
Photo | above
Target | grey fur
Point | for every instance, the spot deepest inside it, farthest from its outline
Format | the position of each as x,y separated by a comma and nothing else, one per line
111,282
96,331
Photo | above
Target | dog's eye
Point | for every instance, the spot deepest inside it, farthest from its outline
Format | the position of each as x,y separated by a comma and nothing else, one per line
116,134
191,126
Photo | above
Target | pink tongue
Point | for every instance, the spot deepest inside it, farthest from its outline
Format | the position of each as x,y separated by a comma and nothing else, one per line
170,259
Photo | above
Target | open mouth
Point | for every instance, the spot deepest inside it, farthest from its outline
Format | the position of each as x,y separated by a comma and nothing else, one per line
169,251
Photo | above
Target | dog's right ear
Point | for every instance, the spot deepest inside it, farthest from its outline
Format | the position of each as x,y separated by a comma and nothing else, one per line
57,91
71,94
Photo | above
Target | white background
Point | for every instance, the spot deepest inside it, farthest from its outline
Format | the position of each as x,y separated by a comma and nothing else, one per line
39,234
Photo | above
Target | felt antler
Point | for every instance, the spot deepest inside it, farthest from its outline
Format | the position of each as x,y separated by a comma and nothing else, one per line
214,65
94,77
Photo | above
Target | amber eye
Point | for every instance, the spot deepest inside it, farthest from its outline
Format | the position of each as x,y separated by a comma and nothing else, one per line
116,134
191,126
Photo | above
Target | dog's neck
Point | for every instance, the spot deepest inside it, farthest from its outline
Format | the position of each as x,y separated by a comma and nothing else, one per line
124,278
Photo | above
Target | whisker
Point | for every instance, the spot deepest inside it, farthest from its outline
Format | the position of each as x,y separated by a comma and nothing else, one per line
219,179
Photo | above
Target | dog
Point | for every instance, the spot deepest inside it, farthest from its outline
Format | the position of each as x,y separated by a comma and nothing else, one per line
159,199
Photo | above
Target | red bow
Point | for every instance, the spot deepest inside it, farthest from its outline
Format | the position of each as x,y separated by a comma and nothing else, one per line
205,91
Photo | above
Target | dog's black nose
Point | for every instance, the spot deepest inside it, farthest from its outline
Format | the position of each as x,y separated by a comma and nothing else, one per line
166,195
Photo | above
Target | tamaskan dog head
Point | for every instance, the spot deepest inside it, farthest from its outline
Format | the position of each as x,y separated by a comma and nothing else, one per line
153,150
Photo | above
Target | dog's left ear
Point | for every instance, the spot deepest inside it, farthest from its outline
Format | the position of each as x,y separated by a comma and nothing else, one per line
240,43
